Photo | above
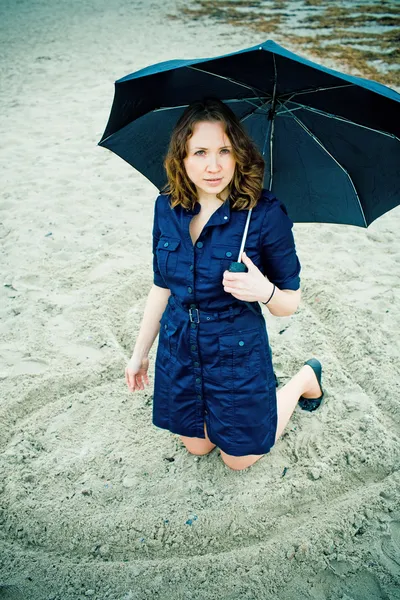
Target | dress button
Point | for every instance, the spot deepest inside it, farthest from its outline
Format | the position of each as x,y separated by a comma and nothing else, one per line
228,253
198,396
193,325
193,347
196,364
165,326
198,380
190,290
191,267
199,244
166,244
241,343
225,217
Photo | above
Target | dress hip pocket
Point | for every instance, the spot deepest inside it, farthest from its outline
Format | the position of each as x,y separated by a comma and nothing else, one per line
239,356
168,340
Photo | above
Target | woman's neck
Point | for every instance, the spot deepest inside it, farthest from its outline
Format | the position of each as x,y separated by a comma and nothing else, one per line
211,200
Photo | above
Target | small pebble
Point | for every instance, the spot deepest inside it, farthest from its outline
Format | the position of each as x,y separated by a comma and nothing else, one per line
129,482
357,522
291,552
301,551
330,548
315,474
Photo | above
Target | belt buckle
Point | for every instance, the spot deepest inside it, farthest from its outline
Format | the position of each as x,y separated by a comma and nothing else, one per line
190,315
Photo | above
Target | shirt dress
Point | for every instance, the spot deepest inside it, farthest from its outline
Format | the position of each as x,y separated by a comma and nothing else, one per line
213,361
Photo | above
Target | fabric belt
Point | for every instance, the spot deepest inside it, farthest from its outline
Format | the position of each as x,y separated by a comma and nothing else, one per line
197,315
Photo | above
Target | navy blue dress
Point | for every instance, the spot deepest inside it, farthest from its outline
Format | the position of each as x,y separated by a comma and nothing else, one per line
213,360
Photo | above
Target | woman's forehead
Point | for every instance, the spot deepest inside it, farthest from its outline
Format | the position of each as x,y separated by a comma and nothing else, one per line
209,133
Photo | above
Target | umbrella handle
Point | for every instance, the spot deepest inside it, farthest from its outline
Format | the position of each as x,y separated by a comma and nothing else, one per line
238,267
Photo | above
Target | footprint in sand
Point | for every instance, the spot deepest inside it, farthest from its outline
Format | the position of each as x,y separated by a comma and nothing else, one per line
344,583
11,592
27,366
390,545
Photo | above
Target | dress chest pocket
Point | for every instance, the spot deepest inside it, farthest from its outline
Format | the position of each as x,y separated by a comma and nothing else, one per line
239,355
167,255
221,258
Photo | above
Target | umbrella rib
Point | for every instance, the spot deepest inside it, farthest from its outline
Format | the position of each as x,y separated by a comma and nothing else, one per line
313,90
231,100
249,87
252,112
271,117
257,107
338,118
314,137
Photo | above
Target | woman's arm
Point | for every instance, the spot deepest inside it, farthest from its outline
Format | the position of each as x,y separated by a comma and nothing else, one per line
253,286
283,303
280,261
155,305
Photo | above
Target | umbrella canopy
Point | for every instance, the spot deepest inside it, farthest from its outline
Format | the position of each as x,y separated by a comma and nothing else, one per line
330,141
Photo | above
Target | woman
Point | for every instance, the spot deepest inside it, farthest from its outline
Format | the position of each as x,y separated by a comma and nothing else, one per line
214,380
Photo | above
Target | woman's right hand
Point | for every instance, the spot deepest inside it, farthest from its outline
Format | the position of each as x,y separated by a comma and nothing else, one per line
136,373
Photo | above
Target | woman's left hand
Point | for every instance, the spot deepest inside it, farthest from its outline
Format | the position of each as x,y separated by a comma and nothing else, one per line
252,286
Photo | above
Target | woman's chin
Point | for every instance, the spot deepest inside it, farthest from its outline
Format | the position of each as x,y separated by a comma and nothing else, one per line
213,188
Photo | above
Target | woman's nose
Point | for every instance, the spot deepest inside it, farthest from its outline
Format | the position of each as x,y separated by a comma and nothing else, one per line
213,164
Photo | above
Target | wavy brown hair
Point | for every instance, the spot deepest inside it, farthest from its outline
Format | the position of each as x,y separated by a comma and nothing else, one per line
247,182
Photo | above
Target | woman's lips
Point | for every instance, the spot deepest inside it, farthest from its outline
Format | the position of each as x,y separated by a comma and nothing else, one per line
213,181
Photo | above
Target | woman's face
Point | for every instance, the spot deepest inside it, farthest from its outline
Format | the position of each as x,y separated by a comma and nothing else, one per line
209,161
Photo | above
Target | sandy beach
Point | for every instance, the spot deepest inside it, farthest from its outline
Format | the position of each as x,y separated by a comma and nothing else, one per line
95,501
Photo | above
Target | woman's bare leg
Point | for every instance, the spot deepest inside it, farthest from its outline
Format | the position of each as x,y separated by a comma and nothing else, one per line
305,384
198,446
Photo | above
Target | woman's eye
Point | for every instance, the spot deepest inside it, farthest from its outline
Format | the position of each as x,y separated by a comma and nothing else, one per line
202,151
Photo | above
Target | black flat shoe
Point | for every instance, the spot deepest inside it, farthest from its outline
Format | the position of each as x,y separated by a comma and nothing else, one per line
312,404
276,380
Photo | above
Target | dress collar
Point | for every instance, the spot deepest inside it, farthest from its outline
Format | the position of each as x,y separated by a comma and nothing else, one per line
219,217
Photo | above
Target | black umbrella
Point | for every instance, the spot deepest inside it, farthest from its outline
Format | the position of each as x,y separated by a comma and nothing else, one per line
330,141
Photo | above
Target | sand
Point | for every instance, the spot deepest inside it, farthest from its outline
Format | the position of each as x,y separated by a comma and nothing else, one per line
96,501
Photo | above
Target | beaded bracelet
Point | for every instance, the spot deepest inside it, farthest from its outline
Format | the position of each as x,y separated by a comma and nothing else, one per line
273,291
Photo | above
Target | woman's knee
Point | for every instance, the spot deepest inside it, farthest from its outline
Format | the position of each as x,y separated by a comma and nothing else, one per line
238,463
197,446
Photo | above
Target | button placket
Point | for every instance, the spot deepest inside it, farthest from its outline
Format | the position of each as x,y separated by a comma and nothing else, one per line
193,342
197,372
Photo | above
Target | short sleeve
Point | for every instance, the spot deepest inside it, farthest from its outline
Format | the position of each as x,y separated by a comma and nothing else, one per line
278,250
157,277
